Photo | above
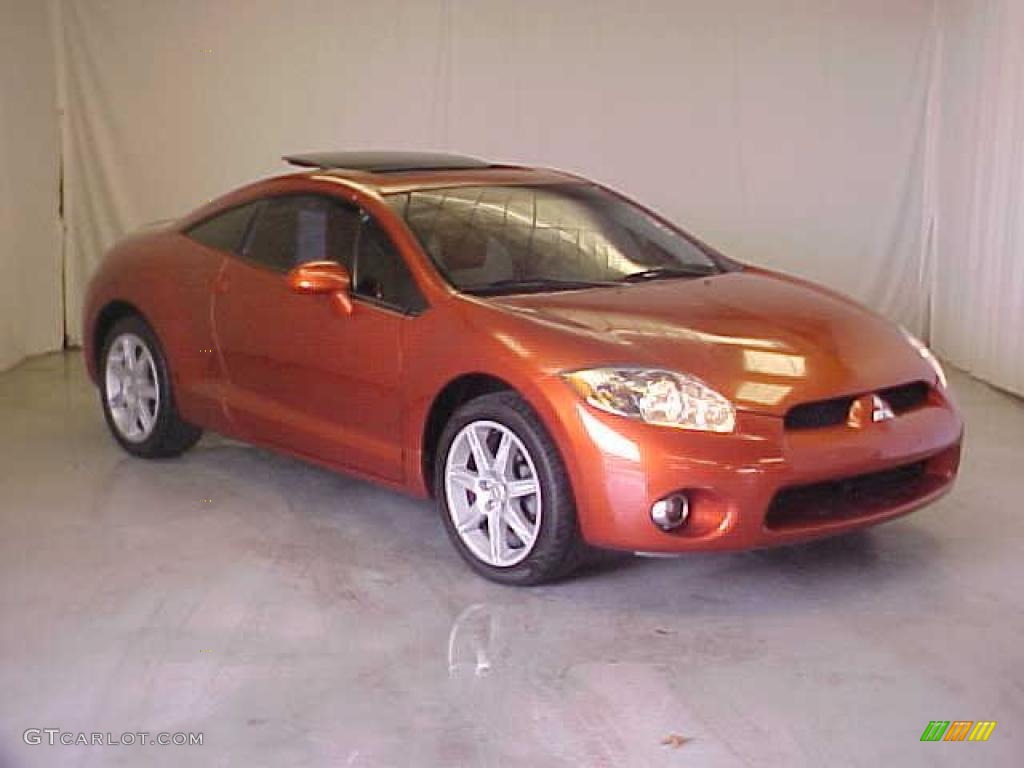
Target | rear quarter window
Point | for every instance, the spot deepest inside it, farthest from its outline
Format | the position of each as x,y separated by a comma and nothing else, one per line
224,231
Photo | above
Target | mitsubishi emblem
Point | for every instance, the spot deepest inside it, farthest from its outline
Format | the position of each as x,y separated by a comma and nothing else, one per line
880,410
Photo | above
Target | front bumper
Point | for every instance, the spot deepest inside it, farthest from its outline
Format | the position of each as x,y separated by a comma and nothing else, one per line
760,486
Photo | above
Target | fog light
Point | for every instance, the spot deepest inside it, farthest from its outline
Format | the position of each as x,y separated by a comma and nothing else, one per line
671,512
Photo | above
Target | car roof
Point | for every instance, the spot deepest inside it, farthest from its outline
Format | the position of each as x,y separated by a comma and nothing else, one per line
395,171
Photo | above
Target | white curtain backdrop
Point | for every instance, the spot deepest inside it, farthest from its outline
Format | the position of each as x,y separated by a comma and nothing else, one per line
30,261
872,145
977,310
788,132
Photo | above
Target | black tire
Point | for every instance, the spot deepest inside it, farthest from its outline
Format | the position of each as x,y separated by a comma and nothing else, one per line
558,547
171,435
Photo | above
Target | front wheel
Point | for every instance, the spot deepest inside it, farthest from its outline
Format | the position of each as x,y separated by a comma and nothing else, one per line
504,494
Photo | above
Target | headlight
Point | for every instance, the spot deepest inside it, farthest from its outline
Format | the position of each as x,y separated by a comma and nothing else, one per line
923,351
656,397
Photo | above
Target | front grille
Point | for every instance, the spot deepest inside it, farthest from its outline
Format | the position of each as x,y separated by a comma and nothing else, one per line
905,398
851,497
831,413
825,413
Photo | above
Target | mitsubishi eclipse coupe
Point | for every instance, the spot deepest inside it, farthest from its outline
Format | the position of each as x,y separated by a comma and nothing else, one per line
556,365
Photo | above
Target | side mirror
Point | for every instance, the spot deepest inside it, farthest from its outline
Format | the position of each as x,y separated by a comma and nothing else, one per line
323,277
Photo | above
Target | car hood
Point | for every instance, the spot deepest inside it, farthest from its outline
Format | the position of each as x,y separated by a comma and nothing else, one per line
766,341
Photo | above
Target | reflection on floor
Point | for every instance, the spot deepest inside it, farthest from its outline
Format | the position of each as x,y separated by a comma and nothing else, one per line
297,617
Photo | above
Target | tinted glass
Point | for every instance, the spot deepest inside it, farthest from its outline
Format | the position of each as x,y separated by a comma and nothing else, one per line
381,273
294,230
224,231
486,237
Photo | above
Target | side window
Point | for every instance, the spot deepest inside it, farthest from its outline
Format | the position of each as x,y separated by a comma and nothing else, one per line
381,273
225,230
297,229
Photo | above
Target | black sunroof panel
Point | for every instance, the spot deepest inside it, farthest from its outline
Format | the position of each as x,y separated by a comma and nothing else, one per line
387,162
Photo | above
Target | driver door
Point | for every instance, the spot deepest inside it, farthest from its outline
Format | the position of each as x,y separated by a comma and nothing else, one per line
300,374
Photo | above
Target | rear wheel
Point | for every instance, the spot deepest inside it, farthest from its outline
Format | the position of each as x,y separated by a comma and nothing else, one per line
135,391
504,494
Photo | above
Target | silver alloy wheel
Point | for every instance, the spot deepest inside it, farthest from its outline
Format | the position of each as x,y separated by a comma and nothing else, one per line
493,493
132,387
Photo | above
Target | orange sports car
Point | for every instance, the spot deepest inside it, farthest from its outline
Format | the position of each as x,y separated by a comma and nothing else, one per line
555,364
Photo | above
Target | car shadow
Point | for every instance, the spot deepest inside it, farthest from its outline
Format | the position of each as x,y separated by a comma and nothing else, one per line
358,514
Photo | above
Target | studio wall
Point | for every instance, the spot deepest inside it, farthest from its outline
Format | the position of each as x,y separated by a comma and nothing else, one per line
977,308
870,145
30,258
791,133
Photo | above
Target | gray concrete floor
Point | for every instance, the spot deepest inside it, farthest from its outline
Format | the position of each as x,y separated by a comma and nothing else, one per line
296,617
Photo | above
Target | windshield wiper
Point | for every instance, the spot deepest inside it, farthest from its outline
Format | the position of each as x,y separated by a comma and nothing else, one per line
661,273
514,285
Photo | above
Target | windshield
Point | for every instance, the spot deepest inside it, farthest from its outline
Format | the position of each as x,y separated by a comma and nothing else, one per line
511,239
